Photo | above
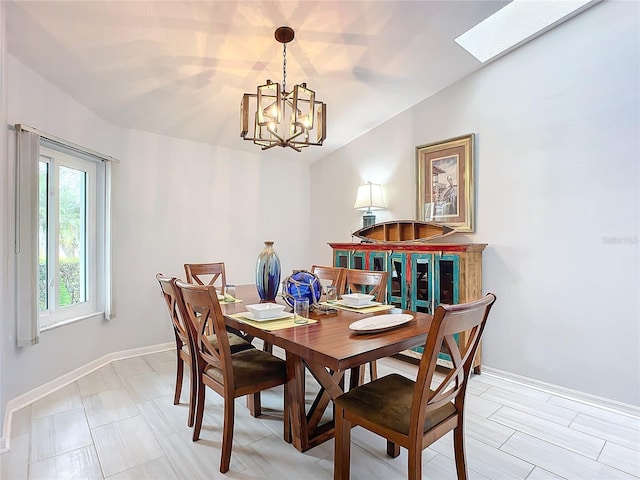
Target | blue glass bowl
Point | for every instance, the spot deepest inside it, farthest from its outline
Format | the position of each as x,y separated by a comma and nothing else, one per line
302,284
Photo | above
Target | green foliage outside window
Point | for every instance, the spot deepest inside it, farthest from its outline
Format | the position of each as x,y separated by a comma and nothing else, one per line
69,286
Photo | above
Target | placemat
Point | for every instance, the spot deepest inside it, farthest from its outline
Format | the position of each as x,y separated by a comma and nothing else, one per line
375,308
272,325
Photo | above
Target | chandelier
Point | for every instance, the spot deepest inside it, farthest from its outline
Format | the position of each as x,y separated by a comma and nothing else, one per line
281,118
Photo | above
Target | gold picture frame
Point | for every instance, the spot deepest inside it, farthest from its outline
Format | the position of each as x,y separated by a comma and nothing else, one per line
445,182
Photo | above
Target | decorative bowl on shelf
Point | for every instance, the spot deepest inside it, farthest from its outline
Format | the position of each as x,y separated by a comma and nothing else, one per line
266,310
357,299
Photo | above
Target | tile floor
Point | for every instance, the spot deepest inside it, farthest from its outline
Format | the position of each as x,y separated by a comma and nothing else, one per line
119,422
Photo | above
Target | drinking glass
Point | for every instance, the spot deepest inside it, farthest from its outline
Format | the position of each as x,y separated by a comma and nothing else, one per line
301,311
331,293
230,293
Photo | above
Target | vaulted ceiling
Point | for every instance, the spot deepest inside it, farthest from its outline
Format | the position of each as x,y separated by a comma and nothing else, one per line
179,68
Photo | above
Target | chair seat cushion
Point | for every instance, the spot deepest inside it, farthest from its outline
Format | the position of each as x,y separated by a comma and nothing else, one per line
251,367
387,402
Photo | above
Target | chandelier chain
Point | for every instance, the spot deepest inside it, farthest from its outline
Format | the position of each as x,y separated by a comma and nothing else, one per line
284,68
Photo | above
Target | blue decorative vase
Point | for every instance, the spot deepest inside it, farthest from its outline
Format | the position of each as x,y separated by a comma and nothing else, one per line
268,273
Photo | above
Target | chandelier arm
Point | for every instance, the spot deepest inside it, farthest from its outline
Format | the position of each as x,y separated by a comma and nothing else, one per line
295,136
275,134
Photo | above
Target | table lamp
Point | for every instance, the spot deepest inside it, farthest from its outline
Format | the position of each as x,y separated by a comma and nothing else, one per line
369,198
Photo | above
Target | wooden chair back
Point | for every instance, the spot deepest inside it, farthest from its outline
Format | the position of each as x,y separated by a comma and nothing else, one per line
205,315
207,274
173,302
253,371
184,340
416,414
367,281
445,335
334,276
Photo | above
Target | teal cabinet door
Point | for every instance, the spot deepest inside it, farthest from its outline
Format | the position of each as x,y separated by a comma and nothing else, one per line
378,261
397,286
422,266
357,260
341,258
447,281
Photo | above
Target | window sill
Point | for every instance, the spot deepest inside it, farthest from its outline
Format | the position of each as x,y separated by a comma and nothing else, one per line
69,321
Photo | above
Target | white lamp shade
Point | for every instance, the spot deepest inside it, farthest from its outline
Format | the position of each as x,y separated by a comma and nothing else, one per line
369,197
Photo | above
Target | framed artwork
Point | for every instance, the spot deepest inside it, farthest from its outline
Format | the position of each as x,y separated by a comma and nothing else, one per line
446,190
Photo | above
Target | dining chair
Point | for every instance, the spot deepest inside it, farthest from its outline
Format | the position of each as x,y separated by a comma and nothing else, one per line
230,375
184,347
367,281
207,274
331,275
211,274
416,414
371,282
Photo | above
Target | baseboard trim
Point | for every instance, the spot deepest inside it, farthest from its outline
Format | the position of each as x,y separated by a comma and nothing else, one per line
578,396
37,393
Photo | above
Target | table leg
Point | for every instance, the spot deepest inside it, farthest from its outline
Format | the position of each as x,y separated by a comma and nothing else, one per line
354,377
321,402
295,391
304,431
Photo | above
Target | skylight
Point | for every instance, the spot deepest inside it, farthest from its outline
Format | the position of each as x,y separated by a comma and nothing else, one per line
516,23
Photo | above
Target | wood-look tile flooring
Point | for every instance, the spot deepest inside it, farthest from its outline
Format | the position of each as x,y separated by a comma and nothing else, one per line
119,422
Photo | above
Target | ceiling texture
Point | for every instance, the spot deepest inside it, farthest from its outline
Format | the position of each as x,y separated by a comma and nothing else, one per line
180,68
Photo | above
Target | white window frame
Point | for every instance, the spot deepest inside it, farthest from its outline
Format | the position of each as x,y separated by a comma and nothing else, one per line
56,316
30,142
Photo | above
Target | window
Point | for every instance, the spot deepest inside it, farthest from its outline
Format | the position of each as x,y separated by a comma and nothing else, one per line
67,247
62,234
516,23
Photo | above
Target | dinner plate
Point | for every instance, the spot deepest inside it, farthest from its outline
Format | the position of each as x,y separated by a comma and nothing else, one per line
280,316
366,305
380,323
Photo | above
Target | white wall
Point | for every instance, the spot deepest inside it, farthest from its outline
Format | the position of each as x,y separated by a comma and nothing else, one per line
174,202
558,149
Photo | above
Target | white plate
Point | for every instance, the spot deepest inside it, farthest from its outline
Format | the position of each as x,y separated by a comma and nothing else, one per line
380,323
350,305
282,316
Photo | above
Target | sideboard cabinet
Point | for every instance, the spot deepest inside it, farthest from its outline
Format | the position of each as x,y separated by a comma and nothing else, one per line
421,275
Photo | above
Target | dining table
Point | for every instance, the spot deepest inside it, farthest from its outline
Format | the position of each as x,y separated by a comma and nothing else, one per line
328,348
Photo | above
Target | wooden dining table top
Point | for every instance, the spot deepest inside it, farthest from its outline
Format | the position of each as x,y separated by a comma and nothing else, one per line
330,342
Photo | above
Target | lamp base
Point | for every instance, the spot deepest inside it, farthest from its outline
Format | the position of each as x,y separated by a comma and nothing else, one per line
368,219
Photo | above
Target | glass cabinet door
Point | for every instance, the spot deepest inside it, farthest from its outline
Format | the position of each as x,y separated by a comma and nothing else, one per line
446,279
446,290
397,287
357,260
421,282
378,261
341,258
